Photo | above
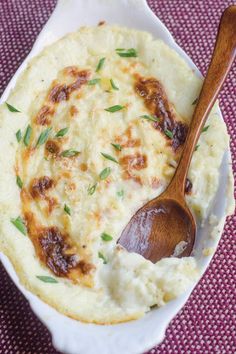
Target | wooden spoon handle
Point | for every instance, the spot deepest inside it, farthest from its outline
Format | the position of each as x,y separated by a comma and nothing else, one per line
222,59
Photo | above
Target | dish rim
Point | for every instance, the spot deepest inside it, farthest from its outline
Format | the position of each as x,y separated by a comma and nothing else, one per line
65,338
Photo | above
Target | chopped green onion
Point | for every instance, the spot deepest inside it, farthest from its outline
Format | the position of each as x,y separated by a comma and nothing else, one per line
11,108
120,193
94,81
27,135
127,52
117,146
69,153
195,101
196,147
205,128
113,85
67,209
168,133
150,117
61,132
46,279
18,135
106,237
100,255
19,224
115,108
43,137
19,182
105,173
100,64
91,189
109,157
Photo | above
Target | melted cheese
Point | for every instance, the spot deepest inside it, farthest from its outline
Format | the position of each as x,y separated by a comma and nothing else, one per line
55,92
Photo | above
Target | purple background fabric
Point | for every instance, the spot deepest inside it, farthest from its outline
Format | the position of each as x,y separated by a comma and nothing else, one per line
207,323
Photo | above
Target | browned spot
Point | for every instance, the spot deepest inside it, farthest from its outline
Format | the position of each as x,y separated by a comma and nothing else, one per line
84,167
126,140
133,65
66,174
73,111
52,203
188,186
42,118
61,92
55,252
136,162
129,175
27,153
39,186
156,101
71,186
125,69
133,162
71,71
81,79
52,147
85,267
96,215
101,23
155,182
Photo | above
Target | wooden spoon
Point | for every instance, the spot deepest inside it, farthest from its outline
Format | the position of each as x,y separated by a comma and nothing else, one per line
166,221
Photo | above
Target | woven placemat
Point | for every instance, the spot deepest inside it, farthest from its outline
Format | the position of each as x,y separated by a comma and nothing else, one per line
207,323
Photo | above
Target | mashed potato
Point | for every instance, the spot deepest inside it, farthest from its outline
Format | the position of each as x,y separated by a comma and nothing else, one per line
104,113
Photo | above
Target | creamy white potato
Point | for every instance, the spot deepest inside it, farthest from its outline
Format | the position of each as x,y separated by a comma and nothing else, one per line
103,116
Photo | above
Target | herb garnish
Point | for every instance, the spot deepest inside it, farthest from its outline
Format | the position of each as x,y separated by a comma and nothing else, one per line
195,101
113,85
106,237
205,128
46,279
91,189
120,193
117,146
109,157
100,64
19,224
150,117
105,173
100,255
196,147
18,135
94,81
168,133
11,108
69,153
67,209
27,135
19,182
127,52
115,108
43,137
61,132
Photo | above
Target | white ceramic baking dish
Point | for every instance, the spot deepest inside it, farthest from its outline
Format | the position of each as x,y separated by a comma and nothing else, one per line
74,337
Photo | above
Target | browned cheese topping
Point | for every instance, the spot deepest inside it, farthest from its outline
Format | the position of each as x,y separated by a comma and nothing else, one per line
130,163
39,186
155,99
61,92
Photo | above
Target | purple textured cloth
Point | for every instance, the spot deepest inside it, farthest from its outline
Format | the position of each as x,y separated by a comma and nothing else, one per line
207,323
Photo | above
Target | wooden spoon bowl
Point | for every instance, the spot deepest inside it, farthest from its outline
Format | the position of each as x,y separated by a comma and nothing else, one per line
163,228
